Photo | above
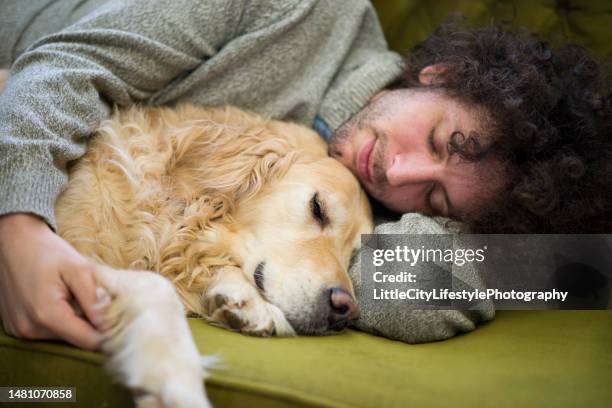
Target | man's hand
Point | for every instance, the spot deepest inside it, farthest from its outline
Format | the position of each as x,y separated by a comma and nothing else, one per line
39,275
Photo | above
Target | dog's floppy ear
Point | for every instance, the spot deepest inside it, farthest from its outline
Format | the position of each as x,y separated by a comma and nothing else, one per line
230,154
250,169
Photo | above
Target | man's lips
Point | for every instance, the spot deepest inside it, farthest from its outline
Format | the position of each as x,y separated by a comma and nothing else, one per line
363,161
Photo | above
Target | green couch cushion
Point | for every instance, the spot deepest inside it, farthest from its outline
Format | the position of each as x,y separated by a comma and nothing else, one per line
585,22
526,359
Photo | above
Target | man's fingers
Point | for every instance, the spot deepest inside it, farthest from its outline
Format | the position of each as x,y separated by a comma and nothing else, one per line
39,273
82,284
74,329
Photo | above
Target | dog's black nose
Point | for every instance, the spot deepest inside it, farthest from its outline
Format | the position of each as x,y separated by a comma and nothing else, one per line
344,309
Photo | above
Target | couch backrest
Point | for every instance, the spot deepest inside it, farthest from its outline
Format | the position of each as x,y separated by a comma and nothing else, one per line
586,22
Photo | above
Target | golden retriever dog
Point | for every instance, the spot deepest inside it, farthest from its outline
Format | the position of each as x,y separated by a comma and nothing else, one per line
248,218
211,212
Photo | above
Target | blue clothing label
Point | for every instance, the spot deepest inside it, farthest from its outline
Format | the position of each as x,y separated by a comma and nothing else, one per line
322,128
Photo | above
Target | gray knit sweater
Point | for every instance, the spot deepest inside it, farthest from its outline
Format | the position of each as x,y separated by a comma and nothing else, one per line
73,60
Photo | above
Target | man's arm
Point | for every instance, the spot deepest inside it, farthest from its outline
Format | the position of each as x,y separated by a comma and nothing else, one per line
60,90
66,83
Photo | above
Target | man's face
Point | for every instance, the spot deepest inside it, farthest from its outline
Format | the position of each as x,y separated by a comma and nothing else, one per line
397,147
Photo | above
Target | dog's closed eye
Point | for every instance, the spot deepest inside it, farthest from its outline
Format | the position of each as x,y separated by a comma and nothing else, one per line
318,210
258,275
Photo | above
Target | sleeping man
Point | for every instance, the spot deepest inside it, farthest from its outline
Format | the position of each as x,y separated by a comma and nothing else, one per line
491,128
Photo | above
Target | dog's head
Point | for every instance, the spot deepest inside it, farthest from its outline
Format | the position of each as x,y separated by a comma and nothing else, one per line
296,216
299,231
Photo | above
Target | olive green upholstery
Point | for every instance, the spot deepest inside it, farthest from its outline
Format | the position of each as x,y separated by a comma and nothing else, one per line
521,359
584,22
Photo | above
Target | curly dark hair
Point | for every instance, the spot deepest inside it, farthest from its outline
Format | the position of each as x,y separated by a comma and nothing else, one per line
550,114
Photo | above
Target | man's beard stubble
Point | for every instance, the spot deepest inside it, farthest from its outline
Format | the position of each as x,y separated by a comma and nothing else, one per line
339,137
379,176
364,120
359,121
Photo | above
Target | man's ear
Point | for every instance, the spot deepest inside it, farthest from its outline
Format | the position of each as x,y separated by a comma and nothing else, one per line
430,75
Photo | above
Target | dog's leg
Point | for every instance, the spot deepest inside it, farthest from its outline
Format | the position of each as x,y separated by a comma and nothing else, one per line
232,301
148,340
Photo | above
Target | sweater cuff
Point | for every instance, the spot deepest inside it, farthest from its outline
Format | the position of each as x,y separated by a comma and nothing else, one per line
30,186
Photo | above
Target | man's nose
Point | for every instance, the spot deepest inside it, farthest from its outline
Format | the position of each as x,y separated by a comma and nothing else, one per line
412,169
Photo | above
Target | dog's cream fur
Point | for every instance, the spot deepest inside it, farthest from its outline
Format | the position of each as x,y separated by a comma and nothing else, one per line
202,197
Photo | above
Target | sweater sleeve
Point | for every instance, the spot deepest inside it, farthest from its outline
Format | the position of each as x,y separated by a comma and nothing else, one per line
66,83
411,325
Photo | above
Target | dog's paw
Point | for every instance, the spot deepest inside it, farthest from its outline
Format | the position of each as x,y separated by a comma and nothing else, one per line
177,398
148,341
234,303
241,309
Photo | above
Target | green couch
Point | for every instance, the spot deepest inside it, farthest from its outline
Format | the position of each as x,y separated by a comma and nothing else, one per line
521,359
584,22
